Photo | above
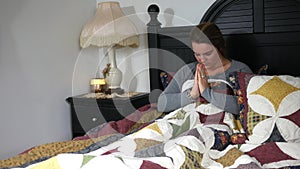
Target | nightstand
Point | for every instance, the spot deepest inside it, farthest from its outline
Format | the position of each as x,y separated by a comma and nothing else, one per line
91,110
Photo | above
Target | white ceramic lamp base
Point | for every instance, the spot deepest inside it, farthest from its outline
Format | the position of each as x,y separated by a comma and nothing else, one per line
114,78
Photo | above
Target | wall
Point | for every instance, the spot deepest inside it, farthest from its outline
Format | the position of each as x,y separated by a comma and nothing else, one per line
41,63
38,49
136,76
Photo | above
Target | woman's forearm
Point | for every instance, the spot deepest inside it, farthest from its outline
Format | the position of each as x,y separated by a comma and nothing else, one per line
171,101
225,102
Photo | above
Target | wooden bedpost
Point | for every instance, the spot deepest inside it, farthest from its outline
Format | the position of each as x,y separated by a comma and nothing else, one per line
153,11
153,28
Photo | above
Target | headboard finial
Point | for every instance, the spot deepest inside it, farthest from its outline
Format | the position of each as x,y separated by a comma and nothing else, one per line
153,11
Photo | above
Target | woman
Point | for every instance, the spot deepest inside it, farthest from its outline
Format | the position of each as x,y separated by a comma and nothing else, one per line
192,80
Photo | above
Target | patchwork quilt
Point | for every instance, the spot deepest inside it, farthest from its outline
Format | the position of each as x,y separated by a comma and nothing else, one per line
201,135
178,140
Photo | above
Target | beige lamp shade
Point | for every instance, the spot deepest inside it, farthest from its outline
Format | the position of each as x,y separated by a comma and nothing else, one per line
109,27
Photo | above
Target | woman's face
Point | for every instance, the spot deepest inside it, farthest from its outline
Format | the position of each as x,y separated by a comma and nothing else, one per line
206,54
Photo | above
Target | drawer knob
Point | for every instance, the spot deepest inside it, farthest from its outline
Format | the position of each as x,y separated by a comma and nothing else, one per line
94,119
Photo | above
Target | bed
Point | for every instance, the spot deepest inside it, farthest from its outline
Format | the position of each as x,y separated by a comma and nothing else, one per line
258,32
266,133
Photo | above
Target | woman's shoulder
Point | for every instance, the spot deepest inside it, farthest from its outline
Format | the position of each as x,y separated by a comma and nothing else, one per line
237,63
239,66
186,71
189,67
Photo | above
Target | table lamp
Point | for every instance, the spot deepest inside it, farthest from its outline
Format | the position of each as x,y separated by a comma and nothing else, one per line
110,28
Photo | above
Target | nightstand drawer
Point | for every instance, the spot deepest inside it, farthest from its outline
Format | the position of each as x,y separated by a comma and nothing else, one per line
88,113
88,117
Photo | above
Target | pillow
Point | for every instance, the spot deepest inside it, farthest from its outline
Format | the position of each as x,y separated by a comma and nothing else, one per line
270,107
166,78
239,81
243,80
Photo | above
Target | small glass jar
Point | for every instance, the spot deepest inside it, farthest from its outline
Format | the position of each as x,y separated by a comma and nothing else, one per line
98,85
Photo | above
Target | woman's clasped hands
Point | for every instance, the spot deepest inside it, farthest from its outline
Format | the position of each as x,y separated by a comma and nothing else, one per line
200,81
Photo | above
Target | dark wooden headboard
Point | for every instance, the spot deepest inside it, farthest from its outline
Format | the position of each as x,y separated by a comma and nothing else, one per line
257,32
